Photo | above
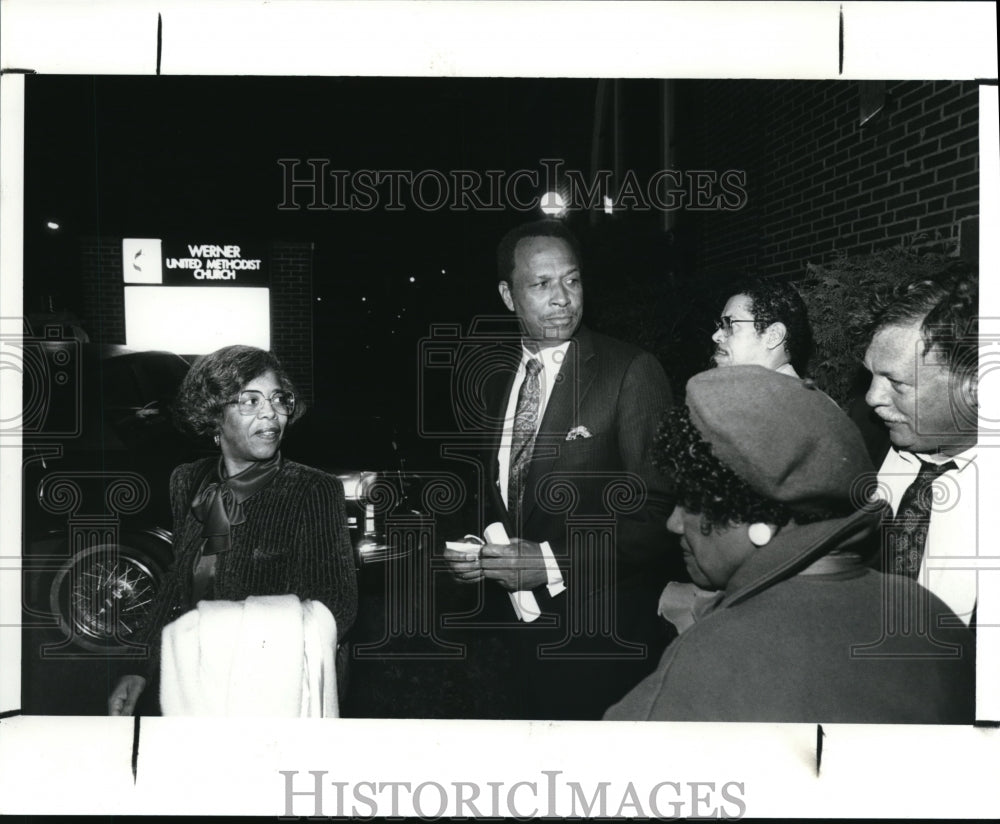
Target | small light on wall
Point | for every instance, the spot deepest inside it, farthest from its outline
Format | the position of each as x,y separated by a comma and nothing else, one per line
52,225
552,204
871,95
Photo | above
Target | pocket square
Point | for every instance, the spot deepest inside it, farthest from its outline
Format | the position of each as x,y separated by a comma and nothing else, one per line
578,432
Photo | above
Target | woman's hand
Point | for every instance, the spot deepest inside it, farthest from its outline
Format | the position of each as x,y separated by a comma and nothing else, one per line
125,695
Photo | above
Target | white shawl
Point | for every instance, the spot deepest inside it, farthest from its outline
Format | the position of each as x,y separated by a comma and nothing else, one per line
270,655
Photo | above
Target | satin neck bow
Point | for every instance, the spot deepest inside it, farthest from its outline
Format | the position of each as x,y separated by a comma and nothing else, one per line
218,506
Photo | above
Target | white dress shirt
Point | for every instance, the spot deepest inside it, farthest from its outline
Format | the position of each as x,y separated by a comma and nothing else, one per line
948,568
551,358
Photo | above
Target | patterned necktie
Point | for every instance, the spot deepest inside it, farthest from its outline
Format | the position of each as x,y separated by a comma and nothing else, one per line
523,437
909,527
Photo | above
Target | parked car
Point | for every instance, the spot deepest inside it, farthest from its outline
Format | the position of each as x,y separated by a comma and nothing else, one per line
98,450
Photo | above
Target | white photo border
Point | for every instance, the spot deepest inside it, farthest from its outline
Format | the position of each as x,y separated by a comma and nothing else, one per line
224,767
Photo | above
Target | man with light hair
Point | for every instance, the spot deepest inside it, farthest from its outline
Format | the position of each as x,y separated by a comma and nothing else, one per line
923,358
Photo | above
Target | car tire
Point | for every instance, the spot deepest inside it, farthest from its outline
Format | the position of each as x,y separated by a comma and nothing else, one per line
101,594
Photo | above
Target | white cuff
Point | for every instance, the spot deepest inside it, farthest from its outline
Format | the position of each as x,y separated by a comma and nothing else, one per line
552,570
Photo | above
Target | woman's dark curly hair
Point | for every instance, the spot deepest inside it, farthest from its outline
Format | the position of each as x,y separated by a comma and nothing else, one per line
703,484
216,379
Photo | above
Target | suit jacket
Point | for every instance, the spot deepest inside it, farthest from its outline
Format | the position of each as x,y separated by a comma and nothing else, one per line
619,393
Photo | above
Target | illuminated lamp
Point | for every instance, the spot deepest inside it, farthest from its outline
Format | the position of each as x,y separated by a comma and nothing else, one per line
552,204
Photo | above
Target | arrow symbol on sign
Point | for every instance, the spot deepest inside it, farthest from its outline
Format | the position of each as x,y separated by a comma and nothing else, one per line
135,261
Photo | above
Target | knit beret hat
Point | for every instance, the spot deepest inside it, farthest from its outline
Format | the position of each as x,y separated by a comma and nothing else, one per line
786,439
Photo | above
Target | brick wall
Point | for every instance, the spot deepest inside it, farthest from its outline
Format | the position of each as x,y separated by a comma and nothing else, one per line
290,266
103,296
818,183
292,312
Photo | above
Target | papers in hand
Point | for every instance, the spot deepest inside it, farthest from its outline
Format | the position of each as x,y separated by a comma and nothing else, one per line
525,605
470,545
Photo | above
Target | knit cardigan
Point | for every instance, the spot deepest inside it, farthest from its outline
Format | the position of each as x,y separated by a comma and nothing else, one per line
294,540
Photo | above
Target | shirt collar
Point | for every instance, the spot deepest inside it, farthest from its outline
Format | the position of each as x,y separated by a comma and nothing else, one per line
961,459
552,357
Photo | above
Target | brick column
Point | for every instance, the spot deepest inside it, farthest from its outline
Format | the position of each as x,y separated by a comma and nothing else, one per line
103,310
291,266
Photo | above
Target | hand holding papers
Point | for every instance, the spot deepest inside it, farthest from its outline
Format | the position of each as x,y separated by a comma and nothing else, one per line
525,606
503,568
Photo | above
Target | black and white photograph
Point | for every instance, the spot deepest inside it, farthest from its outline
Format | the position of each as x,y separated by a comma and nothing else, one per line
400,434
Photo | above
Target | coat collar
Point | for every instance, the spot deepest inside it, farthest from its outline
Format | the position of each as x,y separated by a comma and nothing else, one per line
575,377
793,550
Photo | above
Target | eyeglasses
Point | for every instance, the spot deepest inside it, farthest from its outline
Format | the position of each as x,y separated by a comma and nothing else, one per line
251,401
725,323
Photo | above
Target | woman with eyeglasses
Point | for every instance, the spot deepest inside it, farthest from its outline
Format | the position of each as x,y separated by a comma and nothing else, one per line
248,522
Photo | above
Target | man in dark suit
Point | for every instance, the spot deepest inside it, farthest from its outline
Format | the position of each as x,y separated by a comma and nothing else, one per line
569,477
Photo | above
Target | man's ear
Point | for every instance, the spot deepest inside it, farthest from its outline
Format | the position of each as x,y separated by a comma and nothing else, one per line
504,288
775,335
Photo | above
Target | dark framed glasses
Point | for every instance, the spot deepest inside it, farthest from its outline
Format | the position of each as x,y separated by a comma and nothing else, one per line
725,323
251,402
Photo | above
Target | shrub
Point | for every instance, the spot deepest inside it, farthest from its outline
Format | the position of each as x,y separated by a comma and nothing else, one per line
839,295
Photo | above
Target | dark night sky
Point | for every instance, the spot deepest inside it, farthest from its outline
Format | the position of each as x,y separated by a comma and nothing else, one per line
153,157
198,157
